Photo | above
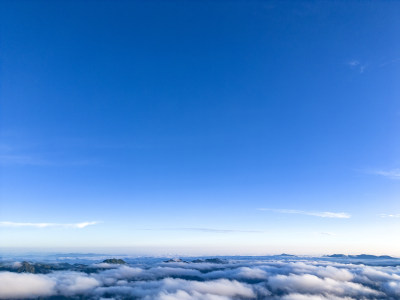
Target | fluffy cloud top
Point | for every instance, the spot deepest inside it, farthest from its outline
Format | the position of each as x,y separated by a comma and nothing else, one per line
19,286
291,279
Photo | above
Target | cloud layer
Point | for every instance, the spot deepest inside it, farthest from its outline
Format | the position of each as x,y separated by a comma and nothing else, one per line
256,278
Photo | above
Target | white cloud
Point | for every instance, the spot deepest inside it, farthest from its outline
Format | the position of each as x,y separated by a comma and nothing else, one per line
312,284
322,214
21,286
220,287
45,225
183,295
393,288
339,274
252,273
73,283
296,296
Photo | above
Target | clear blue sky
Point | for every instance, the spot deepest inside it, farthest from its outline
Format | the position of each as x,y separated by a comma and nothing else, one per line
237,126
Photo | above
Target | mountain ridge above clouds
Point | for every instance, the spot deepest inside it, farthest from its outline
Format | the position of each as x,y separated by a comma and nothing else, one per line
361,256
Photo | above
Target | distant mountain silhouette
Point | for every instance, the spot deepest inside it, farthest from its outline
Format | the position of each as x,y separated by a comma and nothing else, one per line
210,261
198,261
361,256
337,256
175,260
43,268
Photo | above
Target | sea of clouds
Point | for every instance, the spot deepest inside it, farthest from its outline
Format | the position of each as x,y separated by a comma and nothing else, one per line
256,278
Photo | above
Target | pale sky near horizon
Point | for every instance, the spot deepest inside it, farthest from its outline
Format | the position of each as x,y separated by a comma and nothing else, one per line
239,127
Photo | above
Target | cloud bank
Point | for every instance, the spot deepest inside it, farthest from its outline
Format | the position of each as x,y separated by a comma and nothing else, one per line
256,278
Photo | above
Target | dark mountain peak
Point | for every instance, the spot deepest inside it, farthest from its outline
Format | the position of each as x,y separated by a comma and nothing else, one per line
26,267
210,261
215,261
337,256
116,261
175,260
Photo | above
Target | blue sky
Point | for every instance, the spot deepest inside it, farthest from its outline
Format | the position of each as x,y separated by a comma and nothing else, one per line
222,126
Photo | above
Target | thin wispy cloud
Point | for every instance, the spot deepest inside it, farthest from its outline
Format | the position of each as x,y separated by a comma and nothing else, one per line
46,225
22,160
26,160
5,148
328,233
9,155
390,62
17,156
392,174
389,215
321,214
357,65
210,230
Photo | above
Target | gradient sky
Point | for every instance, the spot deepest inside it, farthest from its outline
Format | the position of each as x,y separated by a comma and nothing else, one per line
239,127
